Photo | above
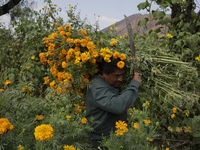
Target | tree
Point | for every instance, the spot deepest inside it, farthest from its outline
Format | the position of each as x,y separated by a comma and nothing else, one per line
8,6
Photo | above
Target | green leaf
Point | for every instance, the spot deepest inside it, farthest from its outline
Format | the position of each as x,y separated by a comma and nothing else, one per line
175,1
143,22
142,5
158,14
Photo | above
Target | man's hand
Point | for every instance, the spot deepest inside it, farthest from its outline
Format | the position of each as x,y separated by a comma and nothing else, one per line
137,77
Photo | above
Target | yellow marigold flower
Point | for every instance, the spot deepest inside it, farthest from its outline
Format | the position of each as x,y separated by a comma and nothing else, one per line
84,120
5,125
147,121
169,35
59,90
53,85
197,58
84,57
68,34
62,33
187,113
46,80
66,147
33,57
136,125
167,149
43,132
113,43
172,116
119,132
20,147
28,67
1,90
174,110
83,32
122,57
120,64
45,7
60,29
68,117
39,117
64,64
83,42
7,82
121,124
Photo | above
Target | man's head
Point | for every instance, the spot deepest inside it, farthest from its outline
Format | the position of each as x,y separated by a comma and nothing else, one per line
111,73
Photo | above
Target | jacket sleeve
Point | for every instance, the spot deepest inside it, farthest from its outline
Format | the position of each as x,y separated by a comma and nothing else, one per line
107,100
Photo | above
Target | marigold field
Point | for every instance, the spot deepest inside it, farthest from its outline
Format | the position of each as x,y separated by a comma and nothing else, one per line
46,64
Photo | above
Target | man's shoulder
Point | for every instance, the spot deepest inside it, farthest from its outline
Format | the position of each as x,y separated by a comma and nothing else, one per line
98,81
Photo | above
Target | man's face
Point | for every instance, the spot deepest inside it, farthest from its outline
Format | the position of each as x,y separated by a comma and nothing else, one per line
115,78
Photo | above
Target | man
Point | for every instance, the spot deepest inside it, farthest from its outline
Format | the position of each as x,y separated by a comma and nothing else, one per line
103,102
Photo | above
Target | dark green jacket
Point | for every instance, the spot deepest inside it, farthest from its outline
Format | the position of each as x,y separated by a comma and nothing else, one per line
106,106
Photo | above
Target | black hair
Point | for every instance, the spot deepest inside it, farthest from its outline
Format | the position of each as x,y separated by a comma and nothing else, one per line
109,67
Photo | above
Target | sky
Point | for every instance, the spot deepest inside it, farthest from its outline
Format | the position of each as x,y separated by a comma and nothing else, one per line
109,11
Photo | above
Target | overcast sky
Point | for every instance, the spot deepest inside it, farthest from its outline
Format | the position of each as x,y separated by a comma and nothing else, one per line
110,11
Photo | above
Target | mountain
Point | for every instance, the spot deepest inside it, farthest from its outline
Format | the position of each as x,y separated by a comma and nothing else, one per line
134,19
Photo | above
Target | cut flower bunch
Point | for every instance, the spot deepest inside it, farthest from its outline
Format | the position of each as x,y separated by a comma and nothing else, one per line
73,57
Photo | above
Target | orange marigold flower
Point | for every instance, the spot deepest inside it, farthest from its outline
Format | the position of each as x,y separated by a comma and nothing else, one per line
113,43
39,117
120,64
7,82
68,34
43,132
122,56
147,121
83,32
56,25
83,42
67,26
59,90
1,90
84,120
172,116
136,125
116,55
28,67
64,64
68,117
60,29
53,85
84,57
66,147
5,125
174,110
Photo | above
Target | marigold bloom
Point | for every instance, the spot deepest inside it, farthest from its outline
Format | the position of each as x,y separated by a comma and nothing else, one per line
20,147
169,35
28,67
174,110
113,43
120,64
122,57
33,57
147,121
43,132
83,42
187,113
84,57
46,80
197,58
119,132
68,117
84,120
1,90
5,125
39,117
83,32
60,29
68,34
7,82
116,55
66,147
53,85
172,116
136,125
121,125
64,64
59,90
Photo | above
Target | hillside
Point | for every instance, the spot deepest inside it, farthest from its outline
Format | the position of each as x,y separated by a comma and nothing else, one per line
134,19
